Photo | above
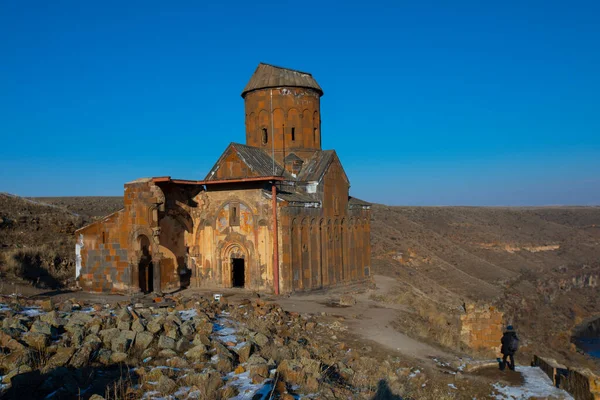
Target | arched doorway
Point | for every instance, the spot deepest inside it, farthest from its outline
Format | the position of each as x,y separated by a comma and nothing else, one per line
236,268
145,267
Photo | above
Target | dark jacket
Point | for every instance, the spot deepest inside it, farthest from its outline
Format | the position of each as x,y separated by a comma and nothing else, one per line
510,343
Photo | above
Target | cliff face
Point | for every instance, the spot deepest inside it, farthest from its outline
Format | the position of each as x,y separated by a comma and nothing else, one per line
538,266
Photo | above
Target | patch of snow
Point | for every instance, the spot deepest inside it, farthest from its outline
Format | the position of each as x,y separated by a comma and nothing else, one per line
452,386
225,333
182,391
247,389
151,395
414,373
537,384
4,307
186,315
32,311
239,345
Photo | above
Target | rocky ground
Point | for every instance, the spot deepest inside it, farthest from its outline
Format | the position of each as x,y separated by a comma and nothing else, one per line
188,346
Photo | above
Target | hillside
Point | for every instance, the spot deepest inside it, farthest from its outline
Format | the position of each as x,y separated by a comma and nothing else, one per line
539,265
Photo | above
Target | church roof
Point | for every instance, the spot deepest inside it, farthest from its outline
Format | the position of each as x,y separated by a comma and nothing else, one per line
256,159
271,76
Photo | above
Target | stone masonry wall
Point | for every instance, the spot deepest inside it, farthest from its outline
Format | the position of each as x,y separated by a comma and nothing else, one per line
481,327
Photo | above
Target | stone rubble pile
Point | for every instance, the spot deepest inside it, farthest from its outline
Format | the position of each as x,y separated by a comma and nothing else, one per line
199,348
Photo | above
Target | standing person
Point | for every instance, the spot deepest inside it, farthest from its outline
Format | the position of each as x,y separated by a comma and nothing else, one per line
510,345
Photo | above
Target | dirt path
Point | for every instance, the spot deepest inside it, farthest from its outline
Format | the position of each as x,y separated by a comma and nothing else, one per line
369,319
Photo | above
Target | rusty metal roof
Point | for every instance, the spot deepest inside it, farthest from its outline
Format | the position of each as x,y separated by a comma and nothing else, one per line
271,76
256,159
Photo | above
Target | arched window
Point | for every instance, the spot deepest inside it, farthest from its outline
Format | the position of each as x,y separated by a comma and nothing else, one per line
265,136
315,135
293,133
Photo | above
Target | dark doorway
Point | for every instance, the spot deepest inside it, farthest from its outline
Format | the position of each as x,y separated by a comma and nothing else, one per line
237,272
145,270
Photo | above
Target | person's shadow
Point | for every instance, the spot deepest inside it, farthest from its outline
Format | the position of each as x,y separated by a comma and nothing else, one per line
384,392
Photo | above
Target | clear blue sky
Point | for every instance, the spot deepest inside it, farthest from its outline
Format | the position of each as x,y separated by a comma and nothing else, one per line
426,103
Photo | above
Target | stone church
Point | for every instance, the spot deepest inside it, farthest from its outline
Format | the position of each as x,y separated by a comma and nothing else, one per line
272,215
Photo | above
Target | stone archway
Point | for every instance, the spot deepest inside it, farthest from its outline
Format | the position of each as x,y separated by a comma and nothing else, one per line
145,273
235,265
146,255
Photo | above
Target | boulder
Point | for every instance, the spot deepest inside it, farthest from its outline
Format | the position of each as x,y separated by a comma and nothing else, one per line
165,342
224,365
201,339
182,345
166,385
53,318
143,340
222,350
204,327
124,315
123,342
210,381
10,343
43,327
258,372
167,353
81,358
36,340
118,357
187,329
291,372
243,350
138,326
155,325
261,339
197,353
108,335
60,358
124,325
104,356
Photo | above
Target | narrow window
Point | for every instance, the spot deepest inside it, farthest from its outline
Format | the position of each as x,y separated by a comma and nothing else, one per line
315,135
293,133
234,215
265,136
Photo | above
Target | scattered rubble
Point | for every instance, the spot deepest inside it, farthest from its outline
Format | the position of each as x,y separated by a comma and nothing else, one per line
199,348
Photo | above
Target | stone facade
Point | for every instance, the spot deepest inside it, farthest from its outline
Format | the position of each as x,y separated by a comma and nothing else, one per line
227,230
481,328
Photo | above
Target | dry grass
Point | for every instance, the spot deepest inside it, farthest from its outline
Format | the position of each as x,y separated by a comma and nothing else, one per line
41,265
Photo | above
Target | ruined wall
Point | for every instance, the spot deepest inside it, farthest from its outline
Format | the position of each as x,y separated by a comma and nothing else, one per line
481,327
582,383
232,224
296,121
111,247
104,255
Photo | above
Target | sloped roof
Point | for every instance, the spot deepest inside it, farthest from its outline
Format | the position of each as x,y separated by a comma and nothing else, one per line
256,159
316,165
271,76
291,158
353,201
